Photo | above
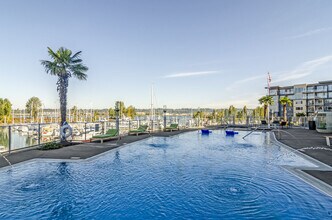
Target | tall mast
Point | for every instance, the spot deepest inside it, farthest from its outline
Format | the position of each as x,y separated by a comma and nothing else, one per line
268,93
152,107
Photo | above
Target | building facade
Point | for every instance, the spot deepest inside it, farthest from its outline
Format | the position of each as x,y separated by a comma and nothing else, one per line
307,99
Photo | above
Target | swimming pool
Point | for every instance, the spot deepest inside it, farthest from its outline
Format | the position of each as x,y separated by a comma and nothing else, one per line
181,177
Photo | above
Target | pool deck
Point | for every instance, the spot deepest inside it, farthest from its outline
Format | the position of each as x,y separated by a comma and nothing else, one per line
305,141
311,143
79,151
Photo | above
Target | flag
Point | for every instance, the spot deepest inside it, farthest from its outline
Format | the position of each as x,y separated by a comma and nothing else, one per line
268,77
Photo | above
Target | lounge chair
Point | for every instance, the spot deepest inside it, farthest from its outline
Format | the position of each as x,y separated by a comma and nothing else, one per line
140,130
172,127
110,134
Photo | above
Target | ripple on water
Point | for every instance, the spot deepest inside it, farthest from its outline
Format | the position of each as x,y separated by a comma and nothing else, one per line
213,177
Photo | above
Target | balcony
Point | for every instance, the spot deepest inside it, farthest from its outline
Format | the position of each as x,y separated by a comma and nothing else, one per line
321,97
286,93
315,90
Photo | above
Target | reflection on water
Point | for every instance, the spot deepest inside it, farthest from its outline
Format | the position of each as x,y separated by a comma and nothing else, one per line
4,137
18,139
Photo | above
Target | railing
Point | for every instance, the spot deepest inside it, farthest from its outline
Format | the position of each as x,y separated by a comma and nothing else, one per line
19,136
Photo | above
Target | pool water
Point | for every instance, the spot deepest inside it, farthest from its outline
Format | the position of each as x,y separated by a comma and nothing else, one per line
189,176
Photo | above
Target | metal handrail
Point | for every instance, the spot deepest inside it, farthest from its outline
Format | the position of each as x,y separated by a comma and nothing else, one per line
252,132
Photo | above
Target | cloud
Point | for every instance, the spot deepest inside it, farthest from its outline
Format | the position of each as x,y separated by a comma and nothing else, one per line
189,74
245,80
309,33
303,70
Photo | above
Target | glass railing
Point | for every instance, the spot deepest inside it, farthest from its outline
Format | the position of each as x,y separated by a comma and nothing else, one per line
19,136
4,138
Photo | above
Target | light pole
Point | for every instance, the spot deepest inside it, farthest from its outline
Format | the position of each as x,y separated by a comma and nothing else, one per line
117,109
164,110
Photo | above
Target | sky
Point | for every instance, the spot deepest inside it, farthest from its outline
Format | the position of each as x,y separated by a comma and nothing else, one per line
194,53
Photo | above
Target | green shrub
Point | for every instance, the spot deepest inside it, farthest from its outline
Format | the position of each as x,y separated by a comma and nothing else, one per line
50,146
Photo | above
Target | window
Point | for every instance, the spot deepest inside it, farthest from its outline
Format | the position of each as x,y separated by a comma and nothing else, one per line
311,102
311,96
273,92
311,109
321,95
328,101
299,108
299,90
320,88
310,89
330,87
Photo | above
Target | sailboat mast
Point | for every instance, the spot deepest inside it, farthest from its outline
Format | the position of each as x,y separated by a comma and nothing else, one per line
152,107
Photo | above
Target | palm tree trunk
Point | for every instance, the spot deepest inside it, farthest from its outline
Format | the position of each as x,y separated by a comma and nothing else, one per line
285,117
265,108
62,89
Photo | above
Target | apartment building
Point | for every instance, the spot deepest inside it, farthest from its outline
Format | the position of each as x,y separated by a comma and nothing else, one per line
307,98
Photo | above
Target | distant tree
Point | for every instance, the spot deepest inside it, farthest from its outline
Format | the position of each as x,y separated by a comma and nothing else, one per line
111,113
33,106
213,115
198,114
122,108
74,112
220,114
64,65
258,112
232,111
265,101
95,116
284,101
239,115
225,111
5,110
245,111
131,112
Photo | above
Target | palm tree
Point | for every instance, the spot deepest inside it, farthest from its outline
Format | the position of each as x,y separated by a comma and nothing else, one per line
245,111
5,110
284,101
64,65
231,111
33,106
266,100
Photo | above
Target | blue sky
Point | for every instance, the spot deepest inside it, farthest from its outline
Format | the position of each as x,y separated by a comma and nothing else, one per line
196,53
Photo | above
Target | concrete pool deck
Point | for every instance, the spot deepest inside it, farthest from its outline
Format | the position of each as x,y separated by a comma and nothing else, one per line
312,144
305,141
79,151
